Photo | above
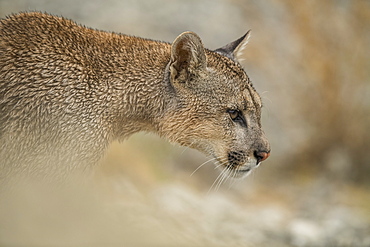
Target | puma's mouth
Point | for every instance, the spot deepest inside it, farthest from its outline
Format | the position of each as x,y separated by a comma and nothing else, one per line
243,170
237,172
238,165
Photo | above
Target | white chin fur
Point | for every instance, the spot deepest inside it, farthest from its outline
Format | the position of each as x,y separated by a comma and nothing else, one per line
244,170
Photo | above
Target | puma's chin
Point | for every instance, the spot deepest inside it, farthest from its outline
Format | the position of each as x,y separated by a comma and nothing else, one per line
239,171
244,170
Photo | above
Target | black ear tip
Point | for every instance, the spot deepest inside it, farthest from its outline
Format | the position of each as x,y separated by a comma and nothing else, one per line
228,50
223,51
248,34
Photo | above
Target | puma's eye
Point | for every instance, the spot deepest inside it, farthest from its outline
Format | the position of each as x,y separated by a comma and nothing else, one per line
233,114
236,115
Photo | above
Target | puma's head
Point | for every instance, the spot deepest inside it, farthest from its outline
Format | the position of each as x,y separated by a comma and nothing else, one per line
213,105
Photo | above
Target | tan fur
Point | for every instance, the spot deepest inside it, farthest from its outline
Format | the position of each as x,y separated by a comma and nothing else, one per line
67,91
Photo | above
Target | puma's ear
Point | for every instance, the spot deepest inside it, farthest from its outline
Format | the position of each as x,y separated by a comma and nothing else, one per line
187,57
235,49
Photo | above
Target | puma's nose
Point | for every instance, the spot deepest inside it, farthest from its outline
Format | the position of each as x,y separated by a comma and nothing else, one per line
261,155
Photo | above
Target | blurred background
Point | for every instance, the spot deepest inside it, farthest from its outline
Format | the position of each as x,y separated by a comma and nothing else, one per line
310,62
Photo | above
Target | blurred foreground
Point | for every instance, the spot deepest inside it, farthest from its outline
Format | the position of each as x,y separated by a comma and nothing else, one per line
309,60
145,200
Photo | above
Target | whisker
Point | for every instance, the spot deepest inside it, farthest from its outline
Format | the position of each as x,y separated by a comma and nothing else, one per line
186,148
218,166
202,165
210,188
216,180
225,174
233,180
266,106
222,180
221,162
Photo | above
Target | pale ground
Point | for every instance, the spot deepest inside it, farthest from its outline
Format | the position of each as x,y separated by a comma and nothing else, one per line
126,205
175,214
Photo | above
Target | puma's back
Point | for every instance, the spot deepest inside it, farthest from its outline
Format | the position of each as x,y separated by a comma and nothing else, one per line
67,91
60,84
